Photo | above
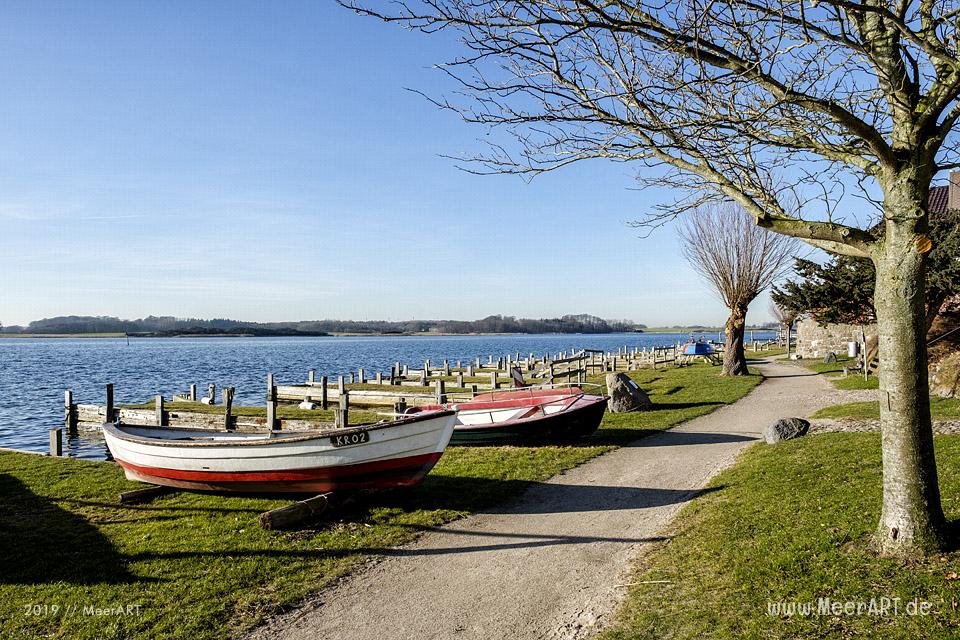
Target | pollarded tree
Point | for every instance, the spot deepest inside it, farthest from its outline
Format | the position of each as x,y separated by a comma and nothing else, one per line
762,102
739,260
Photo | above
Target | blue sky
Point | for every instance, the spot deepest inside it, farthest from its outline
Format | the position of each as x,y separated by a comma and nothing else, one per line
264,161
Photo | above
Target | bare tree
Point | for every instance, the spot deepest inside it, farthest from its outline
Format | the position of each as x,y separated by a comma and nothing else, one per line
763,102
739,260
786,317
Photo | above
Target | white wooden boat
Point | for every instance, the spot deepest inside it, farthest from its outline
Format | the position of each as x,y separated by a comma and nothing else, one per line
381,455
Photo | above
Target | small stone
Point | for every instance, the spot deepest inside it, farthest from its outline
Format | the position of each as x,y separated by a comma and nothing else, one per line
307,405
830,358
625,394
786,429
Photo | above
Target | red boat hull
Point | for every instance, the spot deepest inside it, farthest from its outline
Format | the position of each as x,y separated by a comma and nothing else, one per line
385,474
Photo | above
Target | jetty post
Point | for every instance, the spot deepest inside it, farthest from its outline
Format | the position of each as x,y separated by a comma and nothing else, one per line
158,411
343,412
272,404
69,413
109,417
228,407
56,442
193,392
441,392
323,392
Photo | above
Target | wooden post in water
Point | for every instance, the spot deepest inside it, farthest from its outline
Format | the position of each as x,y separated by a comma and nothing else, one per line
361,377
341,389
378,378
109,402
228,407
69,413
158,411
352,378
56,442
212,393
323,392
193,392
446,368
310,376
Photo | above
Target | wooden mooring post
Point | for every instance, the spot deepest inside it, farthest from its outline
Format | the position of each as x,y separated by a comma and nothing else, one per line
441,392
323,392
109,417
343,411
56,442
228,407
158,411
193,393
272,423
69,413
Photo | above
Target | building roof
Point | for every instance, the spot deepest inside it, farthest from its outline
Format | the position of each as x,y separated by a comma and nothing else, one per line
938,199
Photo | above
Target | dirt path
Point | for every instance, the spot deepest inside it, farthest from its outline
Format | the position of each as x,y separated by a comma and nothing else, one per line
551,563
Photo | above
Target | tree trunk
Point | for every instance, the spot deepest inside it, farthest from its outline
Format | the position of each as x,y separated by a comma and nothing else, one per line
789,328
734,359
912,517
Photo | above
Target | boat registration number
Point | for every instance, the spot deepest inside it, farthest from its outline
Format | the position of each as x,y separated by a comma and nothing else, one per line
347,439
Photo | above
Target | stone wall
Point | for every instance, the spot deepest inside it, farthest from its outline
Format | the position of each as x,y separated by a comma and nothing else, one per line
814,341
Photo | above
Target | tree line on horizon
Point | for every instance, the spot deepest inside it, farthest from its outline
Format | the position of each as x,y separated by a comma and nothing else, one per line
582,323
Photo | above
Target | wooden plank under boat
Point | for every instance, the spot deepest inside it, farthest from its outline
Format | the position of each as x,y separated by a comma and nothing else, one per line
526,416
381,455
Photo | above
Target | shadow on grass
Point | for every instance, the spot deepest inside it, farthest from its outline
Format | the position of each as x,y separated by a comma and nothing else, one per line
500,541
41,543
488,495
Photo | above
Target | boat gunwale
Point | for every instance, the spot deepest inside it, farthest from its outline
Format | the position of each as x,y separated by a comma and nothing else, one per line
272,438
589,401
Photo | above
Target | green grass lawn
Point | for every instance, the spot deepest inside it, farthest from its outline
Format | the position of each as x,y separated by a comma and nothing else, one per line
834,373
940,408
199,565
790,523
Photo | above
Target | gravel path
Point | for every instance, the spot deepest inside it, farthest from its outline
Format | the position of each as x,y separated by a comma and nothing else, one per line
551,563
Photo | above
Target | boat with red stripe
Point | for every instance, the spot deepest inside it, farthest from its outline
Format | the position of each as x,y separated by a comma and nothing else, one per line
380,455
531,415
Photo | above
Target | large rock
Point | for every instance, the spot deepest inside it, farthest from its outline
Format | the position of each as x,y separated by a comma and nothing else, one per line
830,358
946,378
786,429
625,395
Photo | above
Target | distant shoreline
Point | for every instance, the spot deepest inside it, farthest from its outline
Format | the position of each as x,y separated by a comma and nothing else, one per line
425,334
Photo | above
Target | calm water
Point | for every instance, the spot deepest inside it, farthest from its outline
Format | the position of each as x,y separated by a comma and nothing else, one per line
35,373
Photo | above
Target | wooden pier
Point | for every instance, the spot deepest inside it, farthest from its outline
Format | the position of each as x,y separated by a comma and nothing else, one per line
405,385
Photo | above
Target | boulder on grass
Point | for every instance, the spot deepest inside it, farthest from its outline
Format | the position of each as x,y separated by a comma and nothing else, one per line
625,394
830,358
786,429
946,378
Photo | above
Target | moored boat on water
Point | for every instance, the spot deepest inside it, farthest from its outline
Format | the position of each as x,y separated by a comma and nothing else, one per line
380,455
529,415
